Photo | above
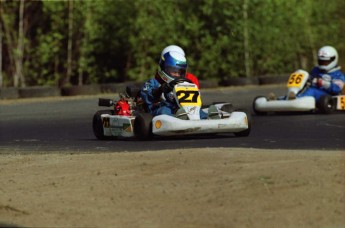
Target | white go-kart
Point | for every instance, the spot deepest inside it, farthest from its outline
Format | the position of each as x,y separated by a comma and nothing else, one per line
142,125
297,83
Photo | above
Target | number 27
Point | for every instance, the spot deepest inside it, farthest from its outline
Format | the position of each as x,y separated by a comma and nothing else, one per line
186,95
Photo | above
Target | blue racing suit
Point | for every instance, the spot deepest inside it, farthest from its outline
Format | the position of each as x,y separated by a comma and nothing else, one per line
157,105
335,76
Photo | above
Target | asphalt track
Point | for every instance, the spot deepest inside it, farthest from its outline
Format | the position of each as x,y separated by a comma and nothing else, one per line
65,125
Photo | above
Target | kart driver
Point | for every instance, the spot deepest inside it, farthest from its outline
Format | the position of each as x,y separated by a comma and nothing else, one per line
172,65
326,78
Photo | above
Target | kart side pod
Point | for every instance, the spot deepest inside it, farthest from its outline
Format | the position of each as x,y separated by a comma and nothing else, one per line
262,105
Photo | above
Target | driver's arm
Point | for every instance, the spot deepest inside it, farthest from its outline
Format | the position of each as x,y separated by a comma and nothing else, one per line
148,93
337,83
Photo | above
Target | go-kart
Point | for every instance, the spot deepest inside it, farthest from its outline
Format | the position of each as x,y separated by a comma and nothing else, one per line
134,121
297,83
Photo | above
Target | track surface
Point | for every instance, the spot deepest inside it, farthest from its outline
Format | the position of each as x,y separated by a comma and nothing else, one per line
65,125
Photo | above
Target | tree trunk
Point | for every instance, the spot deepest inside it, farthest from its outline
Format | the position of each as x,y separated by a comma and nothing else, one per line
10,38
83,44
246,39
70,40
1,78
310,33
19,77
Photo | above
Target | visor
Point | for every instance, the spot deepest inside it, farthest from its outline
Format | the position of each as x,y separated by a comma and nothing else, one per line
324,62
175,71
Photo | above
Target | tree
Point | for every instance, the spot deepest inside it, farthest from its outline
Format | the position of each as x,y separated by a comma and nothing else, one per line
19,76
48,65
106,49
7,18
117,41
1,77
69,43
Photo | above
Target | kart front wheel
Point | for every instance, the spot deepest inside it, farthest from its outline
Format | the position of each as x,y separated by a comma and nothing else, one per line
326,104
143,126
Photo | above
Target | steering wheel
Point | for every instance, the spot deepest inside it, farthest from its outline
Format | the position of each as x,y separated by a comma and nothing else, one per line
178,80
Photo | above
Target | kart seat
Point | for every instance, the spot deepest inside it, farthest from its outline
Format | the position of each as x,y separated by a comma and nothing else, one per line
132,91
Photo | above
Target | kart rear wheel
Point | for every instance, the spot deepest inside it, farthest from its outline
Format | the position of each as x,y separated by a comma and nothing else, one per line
246,132
326,104
97,124
257,112
143,126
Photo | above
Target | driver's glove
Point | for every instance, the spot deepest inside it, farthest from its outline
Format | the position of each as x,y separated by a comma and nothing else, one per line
164,88
167,87
157,93
321,83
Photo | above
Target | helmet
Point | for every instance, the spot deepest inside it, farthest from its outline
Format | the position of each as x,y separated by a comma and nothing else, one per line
174,48
327,58
172,65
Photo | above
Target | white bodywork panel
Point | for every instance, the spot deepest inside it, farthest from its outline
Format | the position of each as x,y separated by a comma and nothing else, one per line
296,81
299,104
168,125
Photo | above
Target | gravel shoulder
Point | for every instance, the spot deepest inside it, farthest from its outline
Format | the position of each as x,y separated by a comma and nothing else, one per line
224,187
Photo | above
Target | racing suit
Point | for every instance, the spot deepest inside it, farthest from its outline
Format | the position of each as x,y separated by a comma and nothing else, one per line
157,105
335,79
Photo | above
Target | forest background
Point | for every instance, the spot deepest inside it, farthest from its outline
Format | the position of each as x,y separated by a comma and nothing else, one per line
62,43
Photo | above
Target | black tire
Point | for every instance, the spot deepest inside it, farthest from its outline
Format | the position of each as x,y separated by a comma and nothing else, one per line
39,91
326,104
97,124
259,113
143,126
273,79
246,132
81,90
239,81
9,93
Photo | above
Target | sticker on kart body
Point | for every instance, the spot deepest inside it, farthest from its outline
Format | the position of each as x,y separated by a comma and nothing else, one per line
106,122
341,102
121,124
188,95
118,126
296,79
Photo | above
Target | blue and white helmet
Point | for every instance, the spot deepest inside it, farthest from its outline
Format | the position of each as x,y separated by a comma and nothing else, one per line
174,48
172,65
327,58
